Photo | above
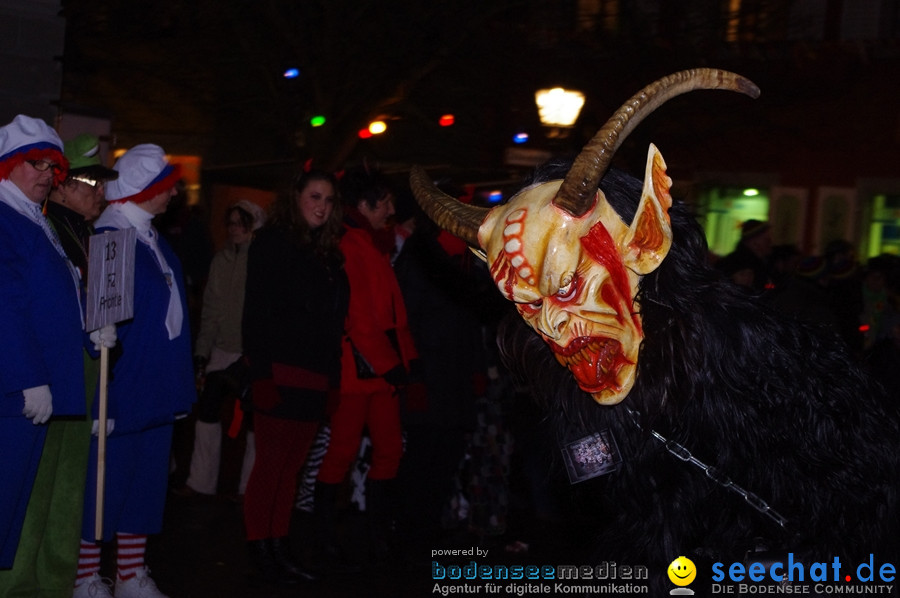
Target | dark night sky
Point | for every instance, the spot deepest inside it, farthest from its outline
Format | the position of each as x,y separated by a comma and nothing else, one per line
204,77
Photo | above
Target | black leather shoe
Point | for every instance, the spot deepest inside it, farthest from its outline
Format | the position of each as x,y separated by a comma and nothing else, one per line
281,553
267,570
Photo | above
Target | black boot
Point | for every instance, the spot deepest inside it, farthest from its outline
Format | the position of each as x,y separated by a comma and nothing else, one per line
267,570
281,554
380,521
329,556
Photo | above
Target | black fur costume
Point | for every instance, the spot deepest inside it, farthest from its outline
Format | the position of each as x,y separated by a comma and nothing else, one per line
777,406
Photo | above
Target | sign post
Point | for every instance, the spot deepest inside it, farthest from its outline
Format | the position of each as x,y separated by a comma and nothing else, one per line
110,299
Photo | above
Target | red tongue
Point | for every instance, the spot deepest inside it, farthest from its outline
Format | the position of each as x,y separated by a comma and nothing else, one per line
590,375
586,373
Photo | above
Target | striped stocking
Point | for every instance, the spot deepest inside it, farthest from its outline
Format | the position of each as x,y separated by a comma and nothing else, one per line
88,561
130,554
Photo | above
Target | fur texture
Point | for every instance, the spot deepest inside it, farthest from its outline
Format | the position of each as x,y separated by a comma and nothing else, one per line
775,405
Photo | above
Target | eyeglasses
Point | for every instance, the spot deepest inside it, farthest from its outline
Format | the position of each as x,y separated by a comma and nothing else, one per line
45,165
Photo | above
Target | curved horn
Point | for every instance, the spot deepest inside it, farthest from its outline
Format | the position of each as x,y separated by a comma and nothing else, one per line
447,212
576,194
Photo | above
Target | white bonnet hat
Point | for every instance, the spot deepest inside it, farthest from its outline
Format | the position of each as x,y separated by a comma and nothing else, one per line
144,173
27,138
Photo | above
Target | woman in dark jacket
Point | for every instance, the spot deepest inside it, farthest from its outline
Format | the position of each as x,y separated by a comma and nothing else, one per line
294,308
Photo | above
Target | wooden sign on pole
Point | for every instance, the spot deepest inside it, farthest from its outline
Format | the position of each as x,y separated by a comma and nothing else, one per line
110,299
110,278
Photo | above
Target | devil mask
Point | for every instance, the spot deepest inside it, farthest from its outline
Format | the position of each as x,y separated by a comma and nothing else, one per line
563,255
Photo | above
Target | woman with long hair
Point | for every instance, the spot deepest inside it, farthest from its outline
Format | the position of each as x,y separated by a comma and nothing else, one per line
294,308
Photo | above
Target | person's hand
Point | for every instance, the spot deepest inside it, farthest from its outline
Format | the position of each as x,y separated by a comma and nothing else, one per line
396,376
38,404
104,337
200,363
110,426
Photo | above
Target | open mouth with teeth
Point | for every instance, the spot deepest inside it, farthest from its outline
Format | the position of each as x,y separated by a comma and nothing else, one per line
594,361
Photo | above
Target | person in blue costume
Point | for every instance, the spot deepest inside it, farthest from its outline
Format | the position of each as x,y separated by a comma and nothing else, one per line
47,555
40,323
151,383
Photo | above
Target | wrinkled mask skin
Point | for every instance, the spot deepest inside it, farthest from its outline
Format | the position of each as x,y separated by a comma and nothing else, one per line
575,279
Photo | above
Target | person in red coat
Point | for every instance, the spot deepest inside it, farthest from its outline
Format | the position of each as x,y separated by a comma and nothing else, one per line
378,360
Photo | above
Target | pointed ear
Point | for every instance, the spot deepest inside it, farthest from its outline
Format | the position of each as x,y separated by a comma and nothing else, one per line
650,235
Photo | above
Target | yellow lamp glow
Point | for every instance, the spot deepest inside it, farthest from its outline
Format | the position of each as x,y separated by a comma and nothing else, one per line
558,107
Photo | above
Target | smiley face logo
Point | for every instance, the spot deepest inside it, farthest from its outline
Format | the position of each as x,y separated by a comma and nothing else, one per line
682,571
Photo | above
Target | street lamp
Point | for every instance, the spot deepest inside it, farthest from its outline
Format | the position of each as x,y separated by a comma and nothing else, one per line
558,109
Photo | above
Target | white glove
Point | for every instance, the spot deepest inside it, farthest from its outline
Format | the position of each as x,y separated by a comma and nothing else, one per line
104,337
38,404
110,426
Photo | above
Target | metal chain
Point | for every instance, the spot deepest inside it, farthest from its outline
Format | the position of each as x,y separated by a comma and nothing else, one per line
682,453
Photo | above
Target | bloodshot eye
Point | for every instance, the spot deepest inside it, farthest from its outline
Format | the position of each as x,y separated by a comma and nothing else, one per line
532,307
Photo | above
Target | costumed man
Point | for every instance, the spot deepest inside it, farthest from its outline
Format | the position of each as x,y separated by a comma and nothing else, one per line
53,523
43,371
78,201
722,428
151,383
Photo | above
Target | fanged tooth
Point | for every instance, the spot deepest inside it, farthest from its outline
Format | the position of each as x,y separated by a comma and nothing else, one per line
590,353
582,356
578,357
561,359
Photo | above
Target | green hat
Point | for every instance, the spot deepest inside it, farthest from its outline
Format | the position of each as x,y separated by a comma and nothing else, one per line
82,152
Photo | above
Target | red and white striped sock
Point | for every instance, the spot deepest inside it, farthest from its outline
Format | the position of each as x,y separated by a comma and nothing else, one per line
130,554
88,561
